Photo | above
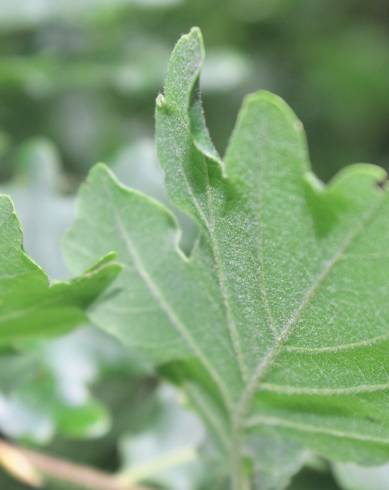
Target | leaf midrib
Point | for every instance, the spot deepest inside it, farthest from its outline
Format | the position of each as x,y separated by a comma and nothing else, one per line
233,331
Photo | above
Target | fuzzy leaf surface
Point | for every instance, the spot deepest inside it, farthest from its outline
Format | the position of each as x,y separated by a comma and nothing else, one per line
278,319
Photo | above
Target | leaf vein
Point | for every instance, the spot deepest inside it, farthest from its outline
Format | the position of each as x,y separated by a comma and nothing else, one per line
303,427
166,308
349,390
265,364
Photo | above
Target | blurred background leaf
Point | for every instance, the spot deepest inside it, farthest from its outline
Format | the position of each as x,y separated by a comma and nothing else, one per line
165,453
354,477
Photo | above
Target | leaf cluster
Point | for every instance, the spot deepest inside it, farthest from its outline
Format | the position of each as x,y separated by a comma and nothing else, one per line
274,325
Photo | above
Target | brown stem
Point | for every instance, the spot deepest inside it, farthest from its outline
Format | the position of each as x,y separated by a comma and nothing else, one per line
75,474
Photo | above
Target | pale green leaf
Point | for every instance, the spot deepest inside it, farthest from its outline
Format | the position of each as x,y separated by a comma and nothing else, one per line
354,477
49,386
279,316
167,452
275,461
29,305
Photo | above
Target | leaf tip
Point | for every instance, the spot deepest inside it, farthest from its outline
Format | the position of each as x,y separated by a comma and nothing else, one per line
7,202
99,167
193,36
185,65
264,101
191,41
99,172
269,98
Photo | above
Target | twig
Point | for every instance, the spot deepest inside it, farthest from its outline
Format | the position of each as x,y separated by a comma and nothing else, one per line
27,464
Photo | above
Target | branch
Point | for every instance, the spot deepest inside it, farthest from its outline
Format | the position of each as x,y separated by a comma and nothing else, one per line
29,466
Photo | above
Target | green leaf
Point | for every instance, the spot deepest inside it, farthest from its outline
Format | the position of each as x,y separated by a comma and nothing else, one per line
47,383
29,305
277,321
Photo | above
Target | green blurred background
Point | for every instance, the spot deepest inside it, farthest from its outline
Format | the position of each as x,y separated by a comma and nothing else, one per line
78,81
85,73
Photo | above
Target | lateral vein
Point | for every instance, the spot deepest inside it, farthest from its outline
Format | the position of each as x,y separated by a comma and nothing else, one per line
265,364
303,427
348,390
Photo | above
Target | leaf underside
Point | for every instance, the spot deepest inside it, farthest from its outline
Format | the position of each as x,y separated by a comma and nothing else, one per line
278,319
29,306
